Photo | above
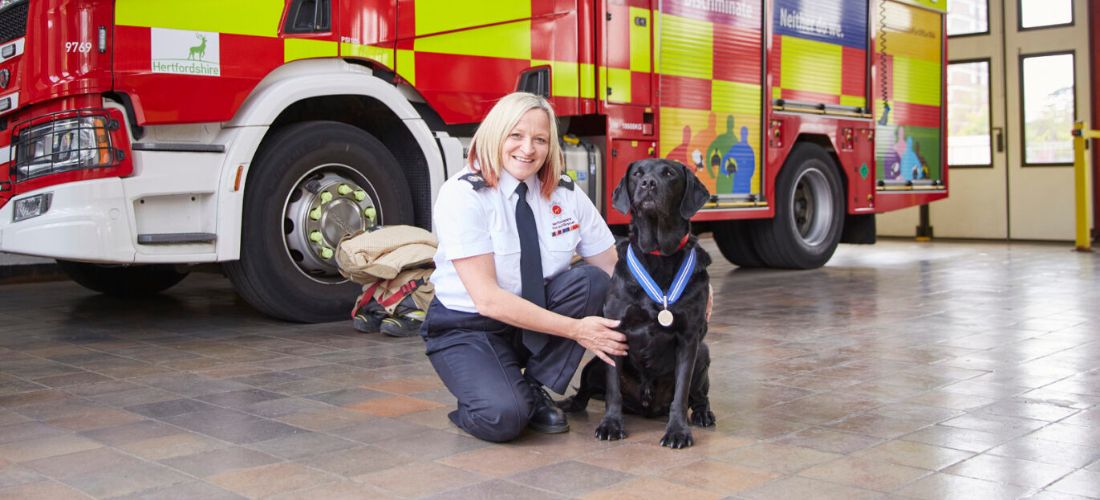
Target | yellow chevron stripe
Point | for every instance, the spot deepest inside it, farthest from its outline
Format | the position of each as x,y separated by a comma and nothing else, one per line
240,17
811,66
687,47
298,48
434,16
406,65
564,79
383,55
510,41
639,41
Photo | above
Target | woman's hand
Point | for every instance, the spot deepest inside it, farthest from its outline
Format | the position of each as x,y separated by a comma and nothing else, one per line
597,335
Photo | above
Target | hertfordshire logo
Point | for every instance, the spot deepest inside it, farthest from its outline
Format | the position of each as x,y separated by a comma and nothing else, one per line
185,52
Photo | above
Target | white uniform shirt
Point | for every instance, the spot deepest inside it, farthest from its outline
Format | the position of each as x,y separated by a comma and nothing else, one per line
470,221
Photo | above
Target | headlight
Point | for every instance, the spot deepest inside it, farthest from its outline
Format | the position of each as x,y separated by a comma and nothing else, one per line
61,146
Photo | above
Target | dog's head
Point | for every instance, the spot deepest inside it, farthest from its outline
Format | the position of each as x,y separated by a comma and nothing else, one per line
657,188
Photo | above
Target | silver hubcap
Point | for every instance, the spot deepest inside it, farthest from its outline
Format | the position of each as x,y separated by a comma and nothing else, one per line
327,203
812,207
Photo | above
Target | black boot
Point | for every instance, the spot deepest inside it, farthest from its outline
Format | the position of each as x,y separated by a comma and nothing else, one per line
546,417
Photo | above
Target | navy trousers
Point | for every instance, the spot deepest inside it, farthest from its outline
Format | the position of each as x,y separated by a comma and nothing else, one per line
482,361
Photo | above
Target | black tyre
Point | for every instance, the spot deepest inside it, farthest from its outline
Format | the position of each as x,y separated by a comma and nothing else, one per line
809,213
123,281
735,241
311,184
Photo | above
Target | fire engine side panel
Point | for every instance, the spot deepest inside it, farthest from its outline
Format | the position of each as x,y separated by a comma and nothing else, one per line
819,52
183,65
65,32
368,29
463,59
909,52
709,62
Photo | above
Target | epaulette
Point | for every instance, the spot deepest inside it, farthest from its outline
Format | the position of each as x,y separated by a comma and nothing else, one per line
566,182
475,179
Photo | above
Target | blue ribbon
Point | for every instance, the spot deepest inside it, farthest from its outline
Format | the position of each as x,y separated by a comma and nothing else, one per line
678,283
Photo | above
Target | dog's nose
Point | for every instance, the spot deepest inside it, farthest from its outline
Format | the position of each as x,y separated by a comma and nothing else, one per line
649,183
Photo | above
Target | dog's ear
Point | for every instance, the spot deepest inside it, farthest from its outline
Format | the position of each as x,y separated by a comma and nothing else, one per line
620,198
695,193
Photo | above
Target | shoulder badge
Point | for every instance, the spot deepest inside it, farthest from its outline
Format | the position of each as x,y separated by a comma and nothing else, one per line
475,179
566,182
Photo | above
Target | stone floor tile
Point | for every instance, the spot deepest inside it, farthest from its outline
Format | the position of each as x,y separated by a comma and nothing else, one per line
209,463
395,406
131,432
828,440
499,460
430,444
183,491
235,427
1007,470
718,477
354,462
784,459
126,480
804,487
865,474
1054,495
650,487
14,475
171,446
939,486
34,449
953,357
1081,482
956,438
42,490
496,489
268,480
303,444
913,454
431,478
339,490
582,478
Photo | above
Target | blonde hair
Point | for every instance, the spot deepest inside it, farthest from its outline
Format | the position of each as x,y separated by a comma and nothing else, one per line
487,146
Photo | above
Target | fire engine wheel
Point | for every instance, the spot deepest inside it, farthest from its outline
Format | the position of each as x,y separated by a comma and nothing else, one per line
123,281
735,241
809,212
312,184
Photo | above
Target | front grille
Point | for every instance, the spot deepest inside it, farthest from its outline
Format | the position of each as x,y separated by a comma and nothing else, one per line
13,22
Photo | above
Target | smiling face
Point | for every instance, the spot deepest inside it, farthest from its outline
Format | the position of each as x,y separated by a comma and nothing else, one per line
528,143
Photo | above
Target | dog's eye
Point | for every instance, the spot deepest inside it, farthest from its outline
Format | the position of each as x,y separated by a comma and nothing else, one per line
638,173
667,172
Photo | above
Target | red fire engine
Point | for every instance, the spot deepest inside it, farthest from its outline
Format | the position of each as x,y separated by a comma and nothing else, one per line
144,136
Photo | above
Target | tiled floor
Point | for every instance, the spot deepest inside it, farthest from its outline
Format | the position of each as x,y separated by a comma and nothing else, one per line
901,370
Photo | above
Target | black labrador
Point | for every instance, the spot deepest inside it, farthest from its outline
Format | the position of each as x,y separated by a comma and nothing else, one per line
665,369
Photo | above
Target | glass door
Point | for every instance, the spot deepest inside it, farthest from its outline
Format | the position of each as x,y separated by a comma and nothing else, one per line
1047,82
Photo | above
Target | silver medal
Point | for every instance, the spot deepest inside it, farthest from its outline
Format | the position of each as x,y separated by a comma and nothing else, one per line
665,318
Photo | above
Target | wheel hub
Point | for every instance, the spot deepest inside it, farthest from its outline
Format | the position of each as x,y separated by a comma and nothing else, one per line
812,207
327,204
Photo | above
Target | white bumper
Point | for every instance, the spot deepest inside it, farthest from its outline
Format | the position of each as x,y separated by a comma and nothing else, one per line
86,221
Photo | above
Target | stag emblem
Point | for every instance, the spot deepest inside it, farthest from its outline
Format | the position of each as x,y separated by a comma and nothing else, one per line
198,51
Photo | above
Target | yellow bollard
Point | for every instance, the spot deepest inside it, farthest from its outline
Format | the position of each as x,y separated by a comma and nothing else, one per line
1080,186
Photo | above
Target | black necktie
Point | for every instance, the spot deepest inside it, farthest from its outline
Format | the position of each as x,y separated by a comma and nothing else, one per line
530,264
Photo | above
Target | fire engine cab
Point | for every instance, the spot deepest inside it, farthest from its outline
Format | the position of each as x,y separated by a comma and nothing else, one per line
141,137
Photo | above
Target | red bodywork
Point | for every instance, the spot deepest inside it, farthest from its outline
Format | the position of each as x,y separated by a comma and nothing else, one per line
460,88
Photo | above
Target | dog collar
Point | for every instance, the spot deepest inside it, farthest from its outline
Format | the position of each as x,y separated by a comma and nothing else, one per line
679,283
683,241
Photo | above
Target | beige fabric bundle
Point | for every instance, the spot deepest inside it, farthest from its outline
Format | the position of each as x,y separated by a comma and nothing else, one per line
383,253
390,263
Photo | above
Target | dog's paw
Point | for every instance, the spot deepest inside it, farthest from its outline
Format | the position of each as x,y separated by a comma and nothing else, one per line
610,429
702,418
572,404
676,437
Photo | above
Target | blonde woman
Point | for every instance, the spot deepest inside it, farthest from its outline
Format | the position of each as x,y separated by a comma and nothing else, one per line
510,314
